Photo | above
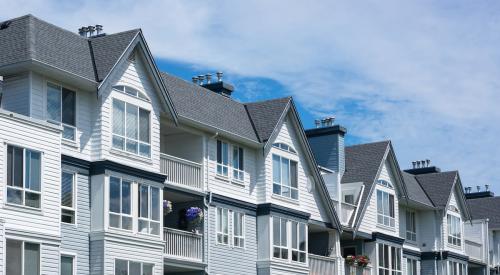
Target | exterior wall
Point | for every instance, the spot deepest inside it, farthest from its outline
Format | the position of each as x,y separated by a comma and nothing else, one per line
333,157
75,237
227,257
16,94
369,221
430,229
428,267
96,257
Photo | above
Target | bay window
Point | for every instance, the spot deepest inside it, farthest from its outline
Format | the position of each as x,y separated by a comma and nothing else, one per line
22,258
289,240
222,158
61,108
24,176
389,260
238,229
120,203
238,173
222,225
68,197
455,268
123,267
411,228
454,230
131,128
385,208
149,209
285,177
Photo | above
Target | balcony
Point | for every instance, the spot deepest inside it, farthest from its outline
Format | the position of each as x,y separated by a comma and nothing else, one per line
183,245
474,250
357,270
182,172
319,265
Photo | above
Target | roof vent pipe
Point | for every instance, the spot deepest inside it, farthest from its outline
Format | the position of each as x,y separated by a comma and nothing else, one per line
195,80
487,187
219,76
414,163
209,78
428,162
478,188
317,122
82,31
98,29
91,30
201,78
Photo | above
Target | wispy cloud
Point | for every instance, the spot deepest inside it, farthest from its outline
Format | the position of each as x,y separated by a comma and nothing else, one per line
424,74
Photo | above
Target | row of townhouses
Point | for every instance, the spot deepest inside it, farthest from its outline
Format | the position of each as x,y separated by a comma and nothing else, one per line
110,166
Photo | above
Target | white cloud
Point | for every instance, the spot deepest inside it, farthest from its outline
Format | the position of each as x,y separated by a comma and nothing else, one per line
424,74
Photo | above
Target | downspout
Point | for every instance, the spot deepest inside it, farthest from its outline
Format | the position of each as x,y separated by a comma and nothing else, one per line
207,205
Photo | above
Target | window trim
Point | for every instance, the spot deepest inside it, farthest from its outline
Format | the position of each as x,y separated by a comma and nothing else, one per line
411,235
221,232
64,125
75,194
69,255
241,163
121,215
220,166
23,241
125,86
23,189
391,269
456,241
289,248
289,177
280,145
392,220
124,136
242,237
149,219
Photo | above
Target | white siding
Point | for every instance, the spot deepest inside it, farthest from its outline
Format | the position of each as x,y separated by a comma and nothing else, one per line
50,257
429,229
16,94
96,257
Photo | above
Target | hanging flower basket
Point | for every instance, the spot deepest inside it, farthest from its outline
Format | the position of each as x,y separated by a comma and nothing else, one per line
361,260
194,216
167,207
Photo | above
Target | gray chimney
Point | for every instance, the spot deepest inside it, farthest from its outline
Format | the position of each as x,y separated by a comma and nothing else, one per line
219,87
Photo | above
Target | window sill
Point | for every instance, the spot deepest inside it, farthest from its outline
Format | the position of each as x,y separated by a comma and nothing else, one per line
70,143
454,246
130,155
221,178
238,182
23,208
386,227
285,199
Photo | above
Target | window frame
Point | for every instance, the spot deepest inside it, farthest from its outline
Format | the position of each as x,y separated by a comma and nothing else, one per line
74,198
149,219
284,147
280,184
411,229
296,242
288,246
220,231
454,220
456,268
23,189
133,261
241,238
124,137
120,214
412,263
73,256
65,126
391,268
222,158
238,156
382,217
23,248
126,87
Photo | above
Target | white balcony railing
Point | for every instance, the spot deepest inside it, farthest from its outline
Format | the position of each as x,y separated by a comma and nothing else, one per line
183,245
319,265
346,211
357,270
182,172
474,250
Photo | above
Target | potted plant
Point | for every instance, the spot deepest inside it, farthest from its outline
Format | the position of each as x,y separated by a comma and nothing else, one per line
167,207
194,216
362,260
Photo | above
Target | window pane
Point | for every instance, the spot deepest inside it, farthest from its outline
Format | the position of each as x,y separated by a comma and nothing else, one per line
18,167
131,121
14,196
293,173
283,233
276,169
145,150
32,199
379,202
68,106
118,117
302,237
53,102
285,171
67,216
31,259
135,268
225,153
225,224
131,146
241,159
121,267
236,157
114,194
69,133
294,235
14,257
391,206
147,269
126,197
10,162
155,228
219,151
118,142
67,190
276,231
144,125
35,172
155,204
66,265
143,201
114,220
127,223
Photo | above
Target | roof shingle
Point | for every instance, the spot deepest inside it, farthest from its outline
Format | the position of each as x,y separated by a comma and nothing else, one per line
481,208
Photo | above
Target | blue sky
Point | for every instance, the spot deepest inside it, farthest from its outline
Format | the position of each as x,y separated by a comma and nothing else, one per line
424,74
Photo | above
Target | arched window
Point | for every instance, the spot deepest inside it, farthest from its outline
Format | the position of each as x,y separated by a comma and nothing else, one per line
385,183
284,147
453,208
131,91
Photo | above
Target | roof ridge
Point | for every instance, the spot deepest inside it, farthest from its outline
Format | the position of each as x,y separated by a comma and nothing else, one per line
388,141
112,34
268,100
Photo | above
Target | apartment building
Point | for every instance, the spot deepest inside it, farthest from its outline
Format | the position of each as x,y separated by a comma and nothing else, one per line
110,166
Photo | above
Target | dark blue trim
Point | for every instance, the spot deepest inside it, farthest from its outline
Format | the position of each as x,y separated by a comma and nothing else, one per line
393,239
322,224
407,252
269,208
446,255
183,192
324,131
100,167
234,202
75,162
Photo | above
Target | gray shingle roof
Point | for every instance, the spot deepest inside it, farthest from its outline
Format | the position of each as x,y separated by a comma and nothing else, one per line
362,163
415,191
265,115
438,186
29,38
482,209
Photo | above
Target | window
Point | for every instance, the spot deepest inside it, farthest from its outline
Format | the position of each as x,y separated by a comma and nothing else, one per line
454,230
298,242
411,228
284,147
385,208
120,203
61,108
455,268
222,226
131,128
131,91
280,244
123,267
68,197
349,199
238,173
411,267
385,183
285,177
389,260
238,229
149,209
67,267
24,176
222,158
22,258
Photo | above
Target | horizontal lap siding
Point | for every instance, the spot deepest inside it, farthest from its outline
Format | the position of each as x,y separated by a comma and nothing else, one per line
75,238
231,260
16,94
38,98
50,257
48,142
96,257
